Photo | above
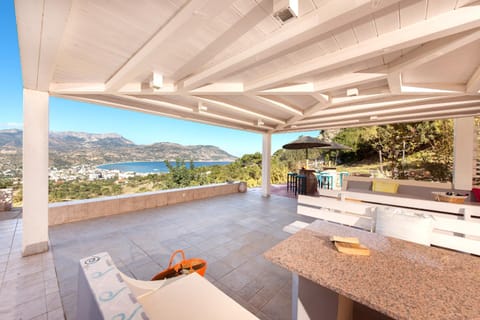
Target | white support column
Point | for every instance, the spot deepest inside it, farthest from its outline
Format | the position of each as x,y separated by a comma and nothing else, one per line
35,172
463,147
266,164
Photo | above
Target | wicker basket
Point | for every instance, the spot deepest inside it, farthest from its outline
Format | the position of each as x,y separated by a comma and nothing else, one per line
442,196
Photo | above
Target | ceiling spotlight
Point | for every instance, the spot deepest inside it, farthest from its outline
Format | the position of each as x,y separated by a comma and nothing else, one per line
373,117
260,122
353,92
284,10
201,107
156,82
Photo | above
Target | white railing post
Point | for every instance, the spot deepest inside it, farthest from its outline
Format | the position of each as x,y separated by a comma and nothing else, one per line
463,145
266,164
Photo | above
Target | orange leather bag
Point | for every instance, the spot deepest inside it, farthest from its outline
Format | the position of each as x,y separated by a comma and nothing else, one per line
185,266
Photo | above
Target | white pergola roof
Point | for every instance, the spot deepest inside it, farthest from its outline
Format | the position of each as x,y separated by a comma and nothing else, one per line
233,64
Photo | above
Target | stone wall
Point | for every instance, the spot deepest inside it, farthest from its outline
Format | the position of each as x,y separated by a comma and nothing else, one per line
65,212
6,197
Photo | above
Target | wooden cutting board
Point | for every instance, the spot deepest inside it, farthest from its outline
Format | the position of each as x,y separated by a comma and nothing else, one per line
352,248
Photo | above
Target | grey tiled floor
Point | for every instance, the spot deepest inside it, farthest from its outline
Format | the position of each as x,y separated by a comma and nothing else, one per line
28,286
230,232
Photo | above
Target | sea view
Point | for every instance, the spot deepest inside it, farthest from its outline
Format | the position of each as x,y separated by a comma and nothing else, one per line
153,166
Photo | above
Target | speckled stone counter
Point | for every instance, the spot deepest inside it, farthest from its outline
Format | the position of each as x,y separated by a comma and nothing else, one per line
400,279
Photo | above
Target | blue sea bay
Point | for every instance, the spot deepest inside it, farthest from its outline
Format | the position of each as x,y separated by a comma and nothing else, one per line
153,166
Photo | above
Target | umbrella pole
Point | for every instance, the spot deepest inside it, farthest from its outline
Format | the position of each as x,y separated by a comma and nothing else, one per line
306,161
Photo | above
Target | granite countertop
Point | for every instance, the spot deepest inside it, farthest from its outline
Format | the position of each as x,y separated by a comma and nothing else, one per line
401,279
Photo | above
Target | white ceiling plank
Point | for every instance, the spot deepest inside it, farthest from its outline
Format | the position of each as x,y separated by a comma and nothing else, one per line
387,20
385,103
394,110
185,108
360,98
412,11
424,31
321,105
433,50
320,125
29,15
300,31
219,88
364,29
437,7
463,3
347,80
156,102
407,118
345,38
440,89
187,15
76,88
475,107
322,98
301,88
237,109
276,104
395,82
473,84
251,18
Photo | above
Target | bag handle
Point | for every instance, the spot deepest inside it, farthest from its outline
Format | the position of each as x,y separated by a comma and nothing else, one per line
184,264
173,256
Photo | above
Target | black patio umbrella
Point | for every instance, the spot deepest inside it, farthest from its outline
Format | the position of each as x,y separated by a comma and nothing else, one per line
336,146
306,142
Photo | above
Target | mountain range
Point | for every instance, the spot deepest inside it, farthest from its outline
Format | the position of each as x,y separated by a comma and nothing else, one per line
76,148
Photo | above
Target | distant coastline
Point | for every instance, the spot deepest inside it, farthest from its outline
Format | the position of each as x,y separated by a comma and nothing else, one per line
153,166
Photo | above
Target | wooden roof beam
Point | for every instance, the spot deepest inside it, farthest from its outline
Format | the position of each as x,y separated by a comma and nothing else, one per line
40,29
210,119
433,50
473,84
393,109
238,109
322,104
427,30
276,104
242,26
298,32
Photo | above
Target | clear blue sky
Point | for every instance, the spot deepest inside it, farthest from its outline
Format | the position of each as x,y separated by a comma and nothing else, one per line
141,128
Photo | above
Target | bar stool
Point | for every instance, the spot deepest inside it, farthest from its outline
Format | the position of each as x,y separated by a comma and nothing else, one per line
341,175
301,185
291,180
325,180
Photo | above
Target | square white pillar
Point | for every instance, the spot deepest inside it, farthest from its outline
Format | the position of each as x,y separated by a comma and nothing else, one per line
266,164
463,148
35,172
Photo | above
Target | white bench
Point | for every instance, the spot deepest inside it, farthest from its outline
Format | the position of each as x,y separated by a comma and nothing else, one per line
452,230
350,213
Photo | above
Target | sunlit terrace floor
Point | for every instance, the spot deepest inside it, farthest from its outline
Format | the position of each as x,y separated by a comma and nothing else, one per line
230,232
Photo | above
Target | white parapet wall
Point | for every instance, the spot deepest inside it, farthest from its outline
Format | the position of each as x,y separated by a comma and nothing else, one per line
78,210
